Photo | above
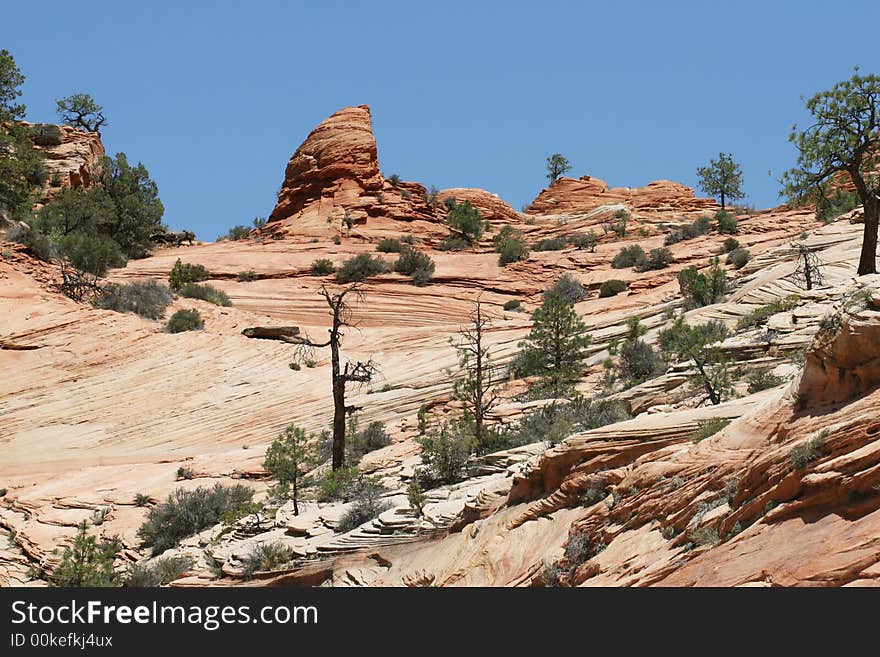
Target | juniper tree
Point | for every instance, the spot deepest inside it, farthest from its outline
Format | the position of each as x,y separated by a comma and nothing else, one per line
87,562
843,140
476,387
683,342
288,459
556,166
722,178
556,346
81,111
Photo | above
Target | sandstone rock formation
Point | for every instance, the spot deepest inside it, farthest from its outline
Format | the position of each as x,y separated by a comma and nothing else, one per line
578,196
73,158
493,208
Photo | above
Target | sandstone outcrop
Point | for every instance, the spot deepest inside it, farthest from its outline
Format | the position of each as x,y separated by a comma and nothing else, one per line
333,181
581,195
493,208
73,158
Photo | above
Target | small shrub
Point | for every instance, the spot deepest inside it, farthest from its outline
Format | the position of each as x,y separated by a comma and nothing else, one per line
763,381
323,267
568,288
148,299
87,563
578,549
141,499
639,362
368,440
337,240
204,292
247,276
700,289
731,244
466,221
266,557
336,485
408,239
46,134
513,304
612,287
185,513
551,244
705,536
630,256
361,267
296,367
805,453
415,495
738,258
236,233
160,572
389,245
185,320
184,272
840,203
760,315
727,223
394,180
707,428
416,265
551,575
444,452
510,245
184,473
700,226
657,259
587,240
367,504
453,243
37,244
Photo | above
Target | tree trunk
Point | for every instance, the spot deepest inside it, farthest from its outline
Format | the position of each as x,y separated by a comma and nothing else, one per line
871,205
722,201
338,411
868,258
295,495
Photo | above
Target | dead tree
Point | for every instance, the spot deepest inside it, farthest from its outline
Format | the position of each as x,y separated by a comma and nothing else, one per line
357,372
809,269
477,387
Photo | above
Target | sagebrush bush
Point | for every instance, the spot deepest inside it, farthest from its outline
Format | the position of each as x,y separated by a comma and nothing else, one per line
185,320
727,223
513,304
145,298
707,428
551,244
322,267
157,572
367,504
587,240
416,265
444,452
187,512
657,259
389,245
184,272
510,245
336,485
738,258
568,288
805,453
367,440
699,226
730,244
763,381
247,276
361,267
37,244
630,256
266,557
204,292
639,362
612,287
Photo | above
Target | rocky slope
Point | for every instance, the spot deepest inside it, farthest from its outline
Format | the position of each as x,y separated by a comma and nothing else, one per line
97,407
73,158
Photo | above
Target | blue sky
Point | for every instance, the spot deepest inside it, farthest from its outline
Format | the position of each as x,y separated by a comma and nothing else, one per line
213,97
